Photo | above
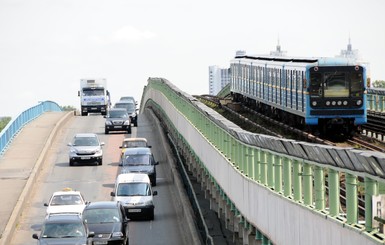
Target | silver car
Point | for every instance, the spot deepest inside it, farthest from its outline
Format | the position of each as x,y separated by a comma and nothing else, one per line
86,148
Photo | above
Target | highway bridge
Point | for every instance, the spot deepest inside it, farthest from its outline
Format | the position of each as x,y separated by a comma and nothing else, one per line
267,190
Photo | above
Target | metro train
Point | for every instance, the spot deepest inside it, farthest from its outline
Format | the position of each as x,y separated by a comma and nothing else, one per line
323,95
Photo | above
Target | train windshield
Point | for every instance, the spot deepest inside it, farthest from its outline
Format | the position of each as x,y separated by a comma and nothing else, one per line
336,84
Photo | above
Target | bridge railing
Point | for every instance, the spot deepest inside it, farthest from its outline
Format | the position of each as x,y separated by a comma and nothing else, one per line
376,100
269,182
16,124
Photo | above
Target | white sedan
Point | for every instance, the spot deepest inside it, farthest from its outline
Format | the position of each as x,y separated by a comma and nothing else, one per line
66,201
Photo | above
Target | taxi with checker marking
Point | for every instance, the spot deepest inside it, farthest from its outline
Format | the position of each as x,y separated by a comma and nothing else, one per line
66,201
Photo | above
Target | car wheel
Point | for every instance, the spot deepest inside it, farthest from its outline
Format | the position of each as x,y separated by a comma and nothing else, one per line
100,162
106,131
151,216
71,162
84,113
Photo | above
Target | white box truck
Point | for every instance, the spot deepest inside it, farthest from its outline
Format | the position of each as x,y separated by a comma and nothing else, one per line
94,96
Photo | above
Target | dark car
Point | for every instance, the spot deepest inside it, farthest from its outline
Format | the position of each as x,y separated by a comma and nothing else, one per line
117,119
64,229
131,110
108,221
139,160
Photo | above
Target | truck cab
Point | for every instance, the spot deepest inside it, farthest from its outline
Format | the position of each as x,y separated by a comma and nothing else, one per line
94,96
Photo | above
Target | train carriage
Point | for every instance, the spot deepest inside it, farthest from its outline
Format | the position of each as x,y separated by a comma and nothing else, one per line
324,94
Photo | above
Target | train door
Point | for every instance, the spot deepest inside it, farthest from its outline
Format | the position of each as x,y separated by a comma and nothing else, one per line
283,87
289,88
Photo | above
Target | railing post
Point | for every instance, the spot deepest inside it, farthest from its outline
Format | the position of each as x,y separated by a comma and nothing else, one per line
319,181
297,177
351,198
263,168
277,173
371,188
287,179
334,192
308,184
270,170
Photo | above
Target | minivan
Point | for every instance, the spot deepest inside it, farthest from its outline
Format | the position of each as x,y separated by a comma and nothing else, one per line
134,191
139,160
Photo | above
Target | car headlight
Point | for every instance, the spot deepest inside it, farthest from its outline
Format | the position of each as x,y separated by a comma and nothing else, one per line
127,122
99,151
147,203
73,150
108,123
117,234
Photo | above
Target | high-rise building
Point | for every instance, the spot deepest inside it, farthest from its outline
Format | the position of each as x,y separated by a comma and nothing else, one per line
350,53
355,54
218,78
278,51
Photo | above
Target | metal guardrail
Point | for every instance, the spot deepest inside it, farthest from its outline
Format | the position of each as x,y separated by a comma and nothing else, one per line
191,195
15,125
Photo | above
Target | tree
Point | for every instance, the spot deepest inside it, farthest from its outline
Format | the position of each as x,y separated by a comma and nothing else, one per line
68,108
3,122
379,84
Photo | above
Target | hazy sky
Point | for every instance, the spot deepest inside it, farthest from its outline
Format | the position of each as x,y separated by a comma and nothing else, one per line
47,46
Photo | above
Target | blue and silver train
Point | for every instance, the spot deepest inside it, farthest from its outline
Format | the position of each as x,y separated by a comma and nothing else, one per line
321,94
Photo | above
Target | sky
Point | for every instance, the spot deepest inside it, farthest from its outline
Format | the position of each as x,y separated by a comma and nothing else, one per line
47,46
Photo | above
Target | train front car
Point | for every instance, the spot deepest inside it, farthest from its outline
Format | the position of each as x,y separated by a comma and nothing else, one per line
337,96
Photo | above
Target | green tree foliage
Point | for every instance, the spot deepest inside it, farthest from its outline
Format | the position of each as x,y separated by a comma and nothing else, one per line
379,84
68,108
3,122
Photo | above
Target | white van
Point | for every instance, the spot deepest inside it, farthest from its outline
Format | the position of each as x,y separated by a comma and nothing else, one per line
134,191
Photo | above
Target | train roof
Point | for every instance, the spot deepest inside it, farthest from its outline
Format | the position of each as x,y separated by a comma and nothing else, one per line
299,60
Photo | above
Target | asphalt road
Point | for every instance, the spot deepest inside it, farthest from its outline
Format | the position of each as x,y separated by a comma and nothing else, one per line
96,183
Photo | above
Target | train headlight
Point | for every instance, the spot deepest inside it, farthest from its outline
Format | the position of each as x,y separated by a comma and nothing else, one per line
314,103
333,103
359,102
327,103
345,102
339,102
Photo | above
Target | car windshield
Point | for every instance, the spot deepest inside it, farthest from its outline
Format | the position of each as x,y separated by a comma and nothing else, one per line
130,107
86,141
128,144
66,200
62,230
133,189
127,98
139,159
118,114
101,215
